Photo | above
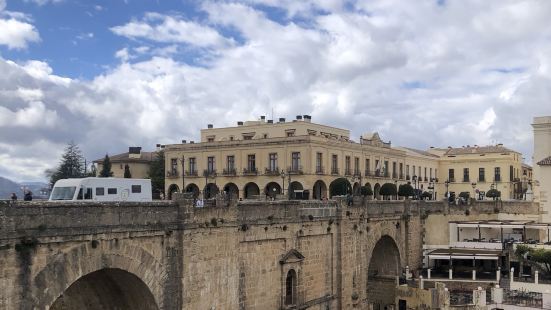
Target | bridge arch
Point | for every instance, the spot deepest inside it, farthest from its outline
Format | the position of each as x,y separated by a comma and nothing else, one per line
129,268
384,266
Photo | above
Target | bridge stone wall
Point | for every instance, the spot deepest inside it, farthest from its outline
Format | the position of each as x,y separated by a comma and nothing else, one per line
225,257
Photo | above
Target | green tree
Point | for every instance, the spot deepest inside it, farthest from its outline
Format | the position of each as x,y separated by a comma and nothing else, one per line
157,172
388,189
106,168
405,190
366,190
465,195
426,195
127,173
493,193
70,166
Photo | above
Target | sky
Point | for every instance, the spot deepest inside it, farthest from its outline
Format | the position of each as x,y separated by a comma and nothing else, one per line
117,73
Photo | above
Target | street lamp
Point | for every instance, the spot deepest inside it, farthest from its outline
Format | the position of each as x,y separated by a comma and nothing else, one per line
474,186
283,181
414,179
431,188
447,186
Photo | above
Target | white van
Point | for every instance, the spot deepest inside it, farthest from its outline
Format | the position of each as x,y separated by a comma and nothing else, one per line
102,189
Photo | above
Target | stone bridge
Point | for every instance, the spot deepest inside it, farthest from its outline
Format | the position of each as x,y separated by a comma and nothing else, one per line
171,255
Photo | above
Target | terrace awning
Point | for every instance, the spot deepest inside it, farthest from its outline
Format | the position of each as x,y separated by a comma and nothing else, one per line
475,254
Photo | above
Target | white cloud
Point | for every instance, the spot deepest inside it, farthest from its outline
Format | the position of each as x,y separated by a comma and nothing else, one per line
163,28
17,34
44,2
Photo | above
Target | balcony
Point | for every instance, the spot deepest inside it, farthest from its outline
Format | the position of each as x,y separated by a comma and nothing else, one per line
172,173
192,173
320,170
229,172
209,173
272,171
368,173
295,170
378,173
335,171
386,175
250,171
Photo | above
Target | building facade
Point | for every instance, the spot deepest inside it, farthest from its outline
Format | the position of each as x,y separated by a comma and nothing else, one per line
138,163
542,166
304,160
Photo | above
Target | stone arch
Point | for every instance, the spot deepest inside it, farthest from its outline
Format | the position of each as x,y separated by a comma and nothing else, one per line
250,190
384,266
376,189
210,191
193,188
295,186
133,265
173,188
319,190
232,190
107,288
291,287
340,187
272,189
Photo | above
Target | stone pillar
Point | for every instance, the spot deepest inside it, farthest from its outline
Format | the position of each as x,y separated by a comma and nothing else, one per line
428,273
536,277
498,274
421,283
450,274
479,298
511,275
497,295
474,274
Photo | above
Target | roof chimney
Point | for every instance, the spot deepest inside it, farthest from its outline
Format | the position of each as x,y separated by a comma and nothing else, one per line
282,119
307,118
262,118
299,117
240,123
184,141
210,126
134,152
270,121
158,145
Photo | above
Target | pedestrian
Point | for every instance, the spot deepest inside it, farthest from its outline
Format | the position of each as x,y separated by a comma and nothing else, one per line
28,196
13,197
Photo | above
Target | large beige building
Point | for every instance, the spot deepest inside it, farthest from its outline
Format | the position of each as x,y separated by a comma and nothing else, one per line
302,159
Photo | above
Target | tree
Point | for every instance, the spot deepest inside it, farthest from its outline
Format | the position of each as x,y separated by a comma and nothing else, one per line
106,168
127,173
388,189
426,195
538,258
493,193
70,166
465,195
366,190
157,172
405,190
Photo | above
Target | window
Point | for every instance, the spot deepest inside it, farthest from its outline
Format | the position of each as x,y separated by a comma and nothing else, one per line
367,167
192,165
273,162
451,175
419,174
210,164
230,163
481,175
334,164
394,170
210,139
386,168
295,161
88,194
356,165
111,191
347,165
377,167
430,175
497,174
265,136
319,159
251,162
290,287
173,166
413,170
79,195
401,171
425,173
290,134
136,189
100,191
511,173
465,174
407,172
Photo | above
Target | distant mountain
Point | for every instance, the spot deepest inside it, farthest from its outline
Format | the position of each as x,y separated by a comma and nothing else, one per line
7,187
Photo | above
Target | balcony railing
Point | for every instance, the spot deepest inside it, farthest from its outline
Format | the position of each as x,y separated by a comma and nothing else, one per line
172,174
378,173
229,172
320,170
192,173
272,171
368,173
209,173
386,175
250,171
401,177
295,170
334,170
408,177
